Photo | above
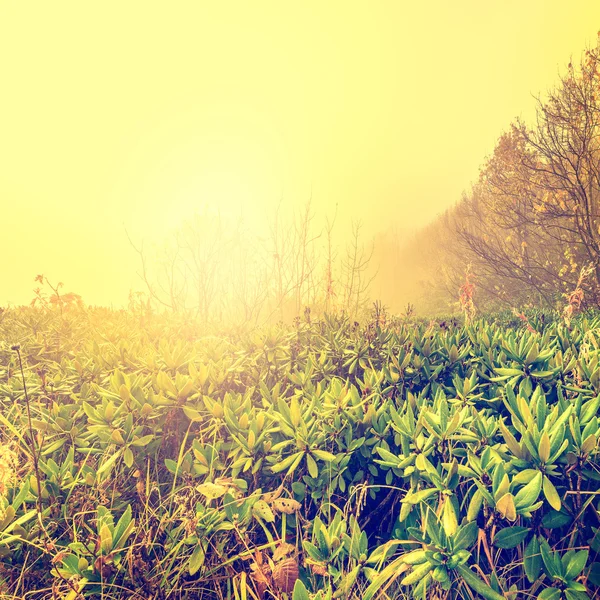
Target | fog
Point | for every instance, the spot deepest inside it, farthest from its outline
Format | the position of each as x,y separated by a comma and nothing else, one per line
121,122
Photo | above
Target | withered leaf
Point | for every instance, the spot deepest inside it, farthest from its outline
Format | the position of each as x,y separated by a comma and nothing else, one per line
283,550
286,505
285,574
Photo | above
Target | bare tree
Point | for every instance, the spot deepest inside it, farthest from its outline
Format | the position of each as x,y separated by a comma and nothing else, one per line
218,271
356,279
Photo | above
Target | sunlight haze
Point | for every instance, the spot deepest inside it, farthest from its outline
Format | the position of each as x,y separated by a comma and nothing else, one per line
129,117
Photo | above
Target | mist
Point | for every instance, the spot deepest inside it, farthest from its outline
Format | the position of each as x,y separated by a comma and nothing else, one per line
378,117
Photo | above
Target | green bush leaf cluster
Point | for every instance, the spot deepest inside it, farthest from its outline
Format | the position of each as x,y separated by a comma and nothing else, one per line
327,459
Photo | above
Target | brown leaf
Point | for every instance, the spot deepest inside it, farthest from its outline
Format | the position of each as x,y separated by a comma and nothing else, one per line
318,568
102,567
272,496
286,505
285,574
260,576
259,560
283,550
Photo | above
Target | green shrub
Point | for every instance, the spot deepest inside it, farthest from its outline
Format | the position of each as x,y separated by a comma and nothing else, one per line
323,460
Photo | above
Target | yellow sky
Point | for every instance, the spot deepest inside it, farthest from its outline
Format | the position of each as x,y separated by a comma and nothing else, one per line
135,114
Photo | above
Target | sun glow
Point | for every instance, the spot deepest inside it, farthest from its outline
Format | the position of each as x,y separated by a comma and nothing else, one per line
232,169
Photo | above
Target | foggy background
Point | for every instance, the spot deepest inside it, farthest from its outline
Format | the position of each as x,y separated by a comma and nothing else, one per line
129,119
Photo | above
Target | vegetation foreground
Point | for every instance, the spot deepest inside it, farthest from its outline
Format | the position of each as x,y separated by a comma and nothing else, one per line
142,458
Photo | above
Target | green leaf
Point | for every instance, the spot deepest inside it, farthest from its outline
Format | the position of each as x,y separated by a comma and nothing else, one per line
555,519
171,465
196,559
143,441
544,448
576,594
300,592
417,574
324,456
388,456
122,526
465,537
576,564
211,491
552,565
165,383
550,594
128,457
106,539
262,510
107,464
532,560
477,585
594,573
20,497
551,494
192,414
313,469
7,517
510,440
382,552
542,374
510,537
475,505
505,372
290,462
589,409
313,551
528,494
418,497
449,518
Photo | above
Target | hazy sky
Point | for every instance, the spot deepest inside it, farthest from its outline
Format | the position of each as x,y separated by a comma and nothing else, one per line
136,114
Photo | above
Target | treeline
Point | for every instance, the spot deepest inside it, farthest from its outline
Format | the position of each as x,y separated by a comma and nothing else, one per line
529,229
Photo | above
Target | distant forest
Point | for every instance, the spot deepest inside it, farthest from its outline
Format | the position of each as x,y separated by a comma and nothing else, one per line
528,231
